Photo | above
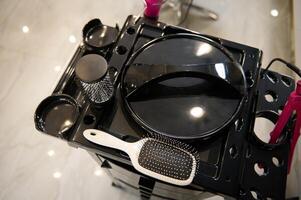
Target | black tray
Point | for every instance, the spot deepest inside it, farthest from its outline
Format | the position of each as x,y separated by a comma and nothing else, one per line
228,159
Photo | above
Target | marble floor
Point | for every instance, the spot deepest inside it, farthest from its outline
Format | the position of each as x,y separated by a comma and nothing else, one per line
37,39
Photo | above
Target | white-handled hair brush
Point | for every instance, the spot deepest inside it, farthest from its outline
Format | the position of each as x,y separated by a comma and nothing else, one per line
152,157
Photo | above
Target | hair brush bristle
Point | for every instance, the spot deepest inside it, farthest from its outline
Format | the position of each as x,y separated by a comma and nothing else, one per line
176,143
166,159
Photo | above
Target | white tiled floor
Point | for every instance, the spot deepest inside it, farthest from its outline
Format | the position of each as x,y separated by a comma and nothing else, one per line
34,166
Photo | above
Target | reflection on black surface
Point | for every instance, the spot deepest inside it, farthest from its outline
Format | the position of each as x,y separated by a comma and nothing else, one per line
178,51
184,87
139,74
101,36
197,112
167,106
60,118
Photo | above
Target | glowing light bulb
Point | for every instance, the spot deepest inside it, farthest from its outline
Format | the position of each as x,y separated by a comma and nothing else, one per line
25,29
57,175
51,153
98,172
57,68
72,39
274,12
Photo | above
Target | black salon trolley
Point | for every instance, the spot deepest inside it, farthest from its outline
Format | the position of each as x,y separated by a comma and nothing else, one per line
228,154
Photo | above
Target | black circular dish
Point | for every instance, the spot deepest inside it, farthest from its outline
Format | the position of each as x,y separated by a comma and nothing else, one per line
56,114
183,86
99,36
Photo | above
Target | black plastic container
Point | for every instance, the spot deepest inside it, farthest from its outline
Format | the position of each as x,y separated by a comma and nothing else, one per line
57,114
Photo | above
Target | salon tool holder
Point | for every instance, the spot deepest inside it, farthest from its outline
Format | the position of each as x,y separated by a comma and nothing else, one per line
293,104
229,158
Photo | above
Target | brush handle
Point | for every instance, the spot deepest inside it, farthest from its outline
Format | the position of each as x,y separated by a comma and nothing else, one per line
105,139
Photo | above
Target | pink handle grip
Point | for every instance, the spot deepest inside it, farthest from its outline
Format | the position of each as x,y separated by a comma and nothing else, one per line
152,8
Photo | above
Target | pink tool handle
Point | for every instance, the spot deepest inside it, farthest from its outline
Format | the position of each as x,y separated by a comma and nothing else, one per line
152,8
281,123
293,103
294,140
